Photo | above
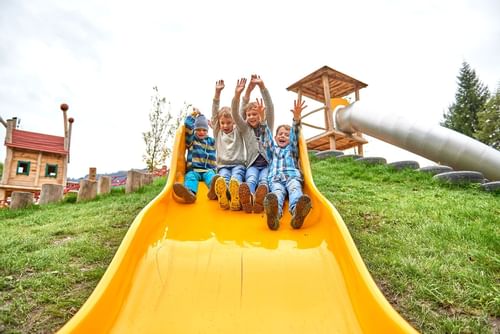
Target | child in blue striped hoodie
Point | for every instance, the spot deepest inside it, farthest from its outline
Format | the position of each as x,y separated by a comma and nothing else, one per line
201,159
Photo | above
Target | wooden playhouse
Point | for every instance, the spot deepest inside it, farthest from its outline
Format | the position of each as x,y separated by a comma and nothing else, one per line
330,88
33,159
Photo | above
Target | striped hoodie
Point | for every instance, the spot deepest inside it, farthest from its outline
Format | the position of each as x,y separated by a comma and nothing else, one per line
200,152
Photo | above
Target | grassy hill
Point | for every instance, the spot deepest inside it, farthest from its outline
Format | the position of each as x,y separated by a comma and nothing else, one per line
432,249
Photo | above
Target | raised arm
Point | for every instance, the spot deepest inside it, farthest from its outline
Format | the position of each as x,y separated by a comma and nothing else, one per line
238,118
269,115
189,126
219,86
246,98
298,107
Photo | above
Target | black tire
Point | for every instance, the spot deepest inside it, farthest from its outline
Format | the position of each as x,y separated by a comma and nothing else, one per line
491,186
349,156
459,177
435,169
404,164
372,160
328,154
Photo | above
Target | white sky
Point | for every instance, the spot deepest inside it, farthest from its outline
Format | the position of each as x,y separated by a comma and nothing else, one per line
104,57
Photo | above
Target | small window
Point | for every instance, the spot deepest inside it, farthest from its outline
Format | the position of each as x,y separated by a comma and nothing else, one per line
51,170
23,167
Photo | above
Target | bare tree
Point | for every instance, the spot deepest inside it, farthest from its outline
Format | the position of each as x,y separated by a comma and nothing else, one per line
159,138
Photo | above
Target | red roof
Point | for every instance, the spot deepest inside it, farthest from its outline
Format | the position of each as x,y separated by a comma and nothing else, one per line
37,142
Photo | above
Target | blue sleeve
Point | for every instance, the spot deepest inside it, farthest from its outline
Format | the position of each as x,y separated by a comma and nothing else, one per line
189,125
294,136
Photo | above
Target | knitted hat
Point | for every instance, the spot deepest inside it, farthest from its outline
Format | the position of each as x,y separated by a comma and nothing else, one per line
201,123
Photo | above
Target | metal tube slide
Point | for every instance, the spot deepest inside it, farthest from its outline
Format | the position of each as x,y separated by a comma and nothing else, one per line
433,142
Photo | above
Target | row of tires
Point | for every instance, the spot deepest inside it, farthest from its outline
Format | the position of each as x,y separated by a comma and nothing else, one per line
439,172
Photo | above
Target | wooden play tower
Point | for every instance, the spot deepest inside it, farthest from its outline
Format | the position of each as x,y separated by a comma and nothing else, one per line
330,87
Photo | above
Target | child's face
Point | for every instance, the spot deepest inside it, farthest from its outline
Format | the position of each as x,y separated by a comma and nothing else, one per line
282,137
253,117
226,124
201,133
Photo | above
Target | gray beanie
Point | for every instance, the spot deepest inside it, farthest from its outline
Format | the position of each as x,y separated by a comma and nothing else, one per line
201,122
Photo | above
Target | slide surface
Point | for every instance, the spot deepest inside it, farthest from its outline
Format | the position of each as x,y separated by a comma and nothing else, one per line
195,268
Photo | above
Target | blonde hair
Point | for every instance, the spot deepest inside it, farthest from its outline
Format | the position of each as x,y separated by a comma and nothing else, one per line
249,106
286,126
224,112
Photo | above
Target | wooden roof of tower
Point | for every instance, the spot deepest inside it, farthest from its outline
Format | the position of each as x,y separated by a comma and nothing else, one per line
340,84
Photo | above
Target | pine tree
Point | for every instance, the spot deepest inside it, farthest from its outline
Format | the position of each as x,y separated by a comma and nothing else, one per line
470,99
489,122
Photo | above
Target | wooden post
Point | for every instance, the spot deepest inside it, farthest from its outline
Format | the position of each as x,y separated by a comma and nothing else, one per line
7,166
134,181
51,193
360,134
21,199
88,190
38,169
104,185
328,111
92,174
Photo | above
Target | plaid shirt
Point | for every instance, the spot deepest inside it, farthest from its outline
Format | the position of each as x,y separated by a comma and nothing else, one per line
201,152
285,160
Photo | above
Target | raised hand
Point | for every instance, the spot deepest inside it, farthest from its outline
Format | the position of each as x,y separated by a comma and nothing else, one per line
261,109
257,81
219,85
240,86
298,107
196,112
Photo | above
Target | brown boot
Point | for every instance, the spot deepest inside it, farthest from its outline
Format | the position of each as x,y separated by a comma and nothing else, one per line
260,194
302,208
271,206
211,192
184,193
245,197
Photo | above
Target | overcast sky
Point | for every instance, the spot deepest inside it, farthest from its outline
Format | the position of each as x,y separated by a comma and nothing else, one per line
104,57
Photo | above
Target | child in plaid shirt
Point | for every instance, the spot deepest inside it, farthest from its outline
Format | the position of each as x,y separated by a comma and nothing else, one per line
285,177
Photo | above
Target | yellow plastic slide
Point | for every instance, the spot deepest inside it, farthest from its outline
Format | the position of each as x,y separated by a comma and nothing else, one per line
195,268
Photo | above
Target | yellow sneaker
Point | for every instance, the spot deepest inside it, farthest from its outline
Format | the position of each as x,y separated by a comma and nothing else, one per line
234,186
221,192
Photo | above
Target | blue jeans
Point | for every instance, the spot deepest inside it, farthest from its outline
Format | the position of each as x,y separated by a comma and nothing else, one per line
192,178
292,187
237,172
255,176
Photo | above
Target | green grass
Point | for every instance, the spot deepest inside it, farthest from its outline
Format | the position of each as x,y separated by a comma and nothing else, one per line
432,249
52,257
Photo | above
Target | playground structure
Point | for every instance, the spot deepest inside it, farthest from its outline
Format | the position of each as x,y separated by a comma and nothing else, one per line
330,87
197,269
33,159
